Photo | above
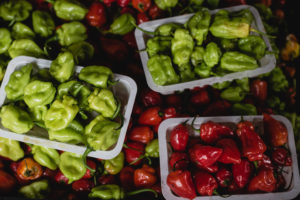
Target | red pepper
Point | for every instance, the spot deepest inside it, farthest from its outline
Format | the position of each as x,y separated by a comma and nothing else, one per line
156,187
107,179
144,177
169,112
224,177
28,169
151,116
263,181
173,100
126,177
128,10
281,156
231,153
181,183
242,172
245,124
108,2
204,156
205,183
142,17
130,39
211,169
96,15
115,49
151,98
210,132
82,185
217,108
275,131
7,182
200,98
179,160
1,164
123,3
60,178
134,152
88,174
179,137
49,173
141,5
259,90
265,162
137,109
233,188
155,12
142,134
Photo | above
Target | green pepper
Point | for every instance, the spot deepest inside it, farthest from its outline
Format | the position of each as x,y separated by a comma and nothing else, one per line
244,109
228,44
25,47
2,71
10,149
166,4
15,119
276,104
203,71
15,10
236,62
38,114
196,2
182,46
22,31
61,113
243,83
212,54
102,133
197,56
233,93
253,45
277,80
39,93
122,24
35,190
62,68
158,44
114,165
167,30
186,73
70,33
161,70
221,85
42,23
72,134
244,15
82,51
69,10
5,40
198,25
152,149
98,76
46,157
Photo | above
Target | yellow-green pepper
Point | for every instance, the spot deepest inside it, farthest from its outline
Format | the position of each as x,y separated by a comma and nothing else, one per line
212,54
35,190
167,30
253,45
10,149
115,165
62,68
46,157
69,10
82,51
15,10
235,61
70,33
122,24
5,40
42,23
98,76
25,47
21,31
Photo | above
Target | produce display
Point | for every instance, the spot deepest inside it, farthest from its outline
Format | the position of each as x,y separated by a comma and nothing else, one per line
74,107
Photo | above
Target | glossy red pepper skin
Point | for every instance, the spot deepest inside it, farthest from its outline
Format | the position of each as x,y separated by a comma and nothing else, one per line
169,112
217,108
60,178
115,49
264,181
82,185
231,153
200,98
281,156
242,172
144,177
128,9
210,132
211,169
179,137
179,160
224,177
126,177
205,183
151,116
181,183
259,90
123,3
142,134
141,5
48,173
96,15
276,132
265,162
88,174
151,98
134,152
245,124
142,17
204,156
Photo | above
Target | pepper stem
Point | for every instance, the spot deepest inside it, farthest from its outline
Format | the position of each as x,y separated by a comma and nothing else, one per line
117,110
262,33
87,151
193,125
140,158
122,122
144,31
112,82
141,191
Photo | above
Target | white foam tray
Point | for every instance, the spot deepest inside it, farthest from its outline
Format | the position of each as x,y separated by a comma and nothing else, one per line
165,152
267,63
125,90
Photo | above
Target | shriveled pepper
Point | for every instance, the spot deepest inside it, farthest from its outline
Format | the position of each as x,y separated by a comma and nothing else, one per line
253,45
161,70
233,93
205,183
152,149
144,177
62,68
122,24
197,56
46,157
242,172
82,51
15,10
35,190
42,23
264,181
204,156
10,149
69,10
28,169
25,47
15,119
244,109
210,131
212,54
5,40
99,76
236,62
70,33
115,165
158,45
166,4
21,31
167,29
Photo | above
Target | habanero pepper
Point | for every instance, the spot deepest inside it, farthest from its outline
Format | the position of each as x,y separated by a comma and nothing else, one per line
151,116
142,134
166,4
28,169
5,40
107,179
210,132
224,177
204,156
7,182
96,15
170,112
25,47
265,162
231,153
235,61
36,190
253,45
89,174
21,31
144,177
46,156
126,177
242,172
122,25
152,149
10,149
69,10
70,33
134,152
82,185
264,181
259,90
114,166
141,5
179,160
205,183
179,137
281,157
15,10
233,94
151,98
244,109
42,23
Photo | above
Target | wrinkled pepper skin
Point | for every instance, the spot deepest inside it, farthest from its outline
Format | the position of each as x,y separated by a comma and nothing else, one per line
205,183
282,157
166,4
122,25
186,73
253,45
39,93
203,71
243,83
61,113
212,54
62,68
46,157
242,172
198,25
115,165
82,51
101,133
10,149
244,109
5,40
15,10
108,191
35,190
233,94
71,166
17,82
210,132
204,156
96,75
152,149
264,181
158,45
144,177
69,10
161,70
25,47
43,24
27,169
167,30
70,33
15,119
235,61
231,153
197,56
21,31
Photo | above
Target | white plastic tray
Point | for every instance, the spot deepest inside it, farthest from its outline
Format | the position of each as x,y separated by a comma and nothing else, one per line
125,90
165,152
267,63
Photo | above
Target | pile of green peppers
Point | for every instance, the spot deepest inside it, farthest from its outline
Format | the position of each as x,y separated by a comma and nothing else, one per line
204,46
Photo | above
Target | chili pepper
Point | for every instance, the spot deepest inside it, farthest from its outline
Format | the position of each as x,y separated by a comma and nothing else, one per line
70,33
114,165
166,4
61,178
151,98
158,45
242,172
25,47
275,131
211,169
69,10
98,76
228,44
134,152
123,3
144,177
152,149
217,108
122,24
167,30
233,93
197,56
205,183
223,176
281,157
15,10
291,49
151,116
212,54
169,112
129,38
155,12
186,73
203,71
210,131
107,179
258,89
42,23
49,173
88,174
21,31
126,177
263,181
253,45
179,160
5,40
10,149
204,156
141,18
247,124
231,153
45,156
265,162
174,100
277,80
200,98
7,182
28,169
181,183
96,15
233,188
179,137
82,51
244,109
62,68
142,134
36,190
141,5
243,83
82,185
236,62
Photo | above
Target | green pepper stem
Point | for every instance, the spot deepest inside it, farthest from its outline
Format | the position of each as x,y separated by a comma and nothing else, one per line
122,122
144,31
112,82
262,33
193,125
127,147
85,154
117,110
141,191
140,158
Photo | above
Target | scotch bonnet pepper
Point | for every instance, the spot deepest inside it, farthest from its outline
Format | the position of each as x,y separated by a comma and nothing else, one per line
42,23
212,54
152,149
15,10
233,93
166,4
115,165
5,40
82,51
70,33
253,45
197,56
69,10
25,47
35,190
21,31
10,149
166,29
62,68
46,157
122,24
158,44
99,76
235,61
244,109
38,114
